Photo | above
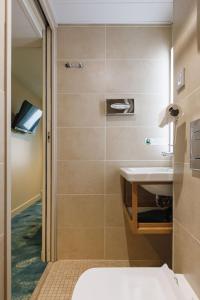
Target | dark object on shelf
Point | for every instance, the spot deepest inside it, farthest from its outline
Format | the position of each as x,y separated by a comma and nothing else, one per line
164,201
155,216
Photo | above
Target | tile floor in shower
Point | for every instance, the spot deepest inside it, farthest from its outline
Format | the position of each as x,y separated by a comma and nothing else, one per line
63,275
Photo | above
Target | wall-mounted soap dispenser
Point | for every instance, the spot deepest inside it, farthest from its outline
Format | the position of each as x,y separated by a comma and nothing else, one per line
195,145
120,107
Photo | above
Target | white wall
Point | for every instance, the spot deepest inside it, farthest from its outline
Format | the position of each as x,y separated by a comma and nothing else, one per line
26,151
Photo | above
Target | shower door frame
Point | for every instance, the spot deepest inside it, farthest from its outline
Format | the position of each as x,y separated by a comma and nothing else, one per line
49,252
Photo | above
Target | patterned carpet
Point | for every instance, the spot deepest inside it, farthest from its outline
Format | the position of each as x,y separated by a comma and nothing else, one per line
27,266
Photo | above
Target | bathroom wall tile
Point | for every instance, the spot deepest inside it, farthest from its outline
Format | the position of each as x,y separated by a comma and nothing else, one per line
81,143
2,127
80,211
81,110
2,267
186,45
186,256
150,247
138,76
129,143
122,244
112,172
114,211
191,111
80,243
190,60
181,153
90,79
1,198
186,186
80,177
138,42
81,42
147,109
183,9
116,243
186,203
81,103
146,263
2,39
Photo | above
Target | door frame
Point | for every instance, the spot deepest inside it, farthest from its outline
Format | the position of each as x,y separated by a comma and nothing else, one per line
51,126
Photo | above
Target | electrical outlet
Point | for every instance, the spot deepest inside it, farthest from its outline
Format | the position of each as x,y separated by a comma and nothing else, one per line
180,82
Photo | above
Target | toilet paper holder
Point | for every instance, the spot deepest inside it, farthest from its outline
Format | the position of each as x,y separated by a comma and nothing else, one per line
120,107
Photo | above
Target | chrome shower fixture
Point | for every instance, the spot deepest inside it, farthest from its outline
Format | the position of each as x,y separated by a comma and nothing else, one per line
74,65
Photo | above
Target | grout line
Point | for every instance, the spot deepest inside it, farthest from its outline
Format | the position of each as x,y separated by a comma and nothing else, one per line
105,148
60,60
107,125
79,194
196,90
62,26
81,127
89,227
187,231
112,160
115,93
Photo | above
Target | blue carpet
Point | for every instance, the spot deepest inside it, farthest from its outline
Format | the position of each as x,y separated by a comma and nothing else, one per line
27,266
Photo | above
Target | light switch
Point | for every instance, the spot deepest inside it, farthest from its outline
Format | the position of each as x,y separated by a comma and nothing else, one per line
180,82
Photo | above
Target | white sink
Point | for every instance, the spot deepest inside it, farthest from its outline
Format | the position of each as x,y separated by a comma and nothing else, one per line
153,174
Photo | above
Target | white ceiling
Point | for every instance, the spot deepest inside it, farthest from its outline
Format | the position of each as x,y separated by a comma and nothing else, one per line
23,30
112,11
27,49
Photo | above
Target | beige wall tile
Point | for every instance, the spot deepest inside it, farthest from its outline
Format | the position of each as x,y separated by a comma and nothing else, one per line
81,110
2,198
2,127
114,211
80,177
191,110
80,211
1,267
129,143
147,109
186,256
150,247
120,243
116,243
2,37
138,42
135,71
81,143
186,203
80,243
81,42
182,146
138,76
186,44
90,79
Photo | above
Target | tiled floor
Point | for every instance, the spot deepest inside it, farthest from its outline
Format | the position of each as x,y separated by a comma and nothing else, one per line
63,275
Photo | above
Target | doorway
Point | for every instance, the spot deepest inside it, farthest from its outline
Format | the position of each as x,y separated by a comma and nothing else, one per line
30,148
